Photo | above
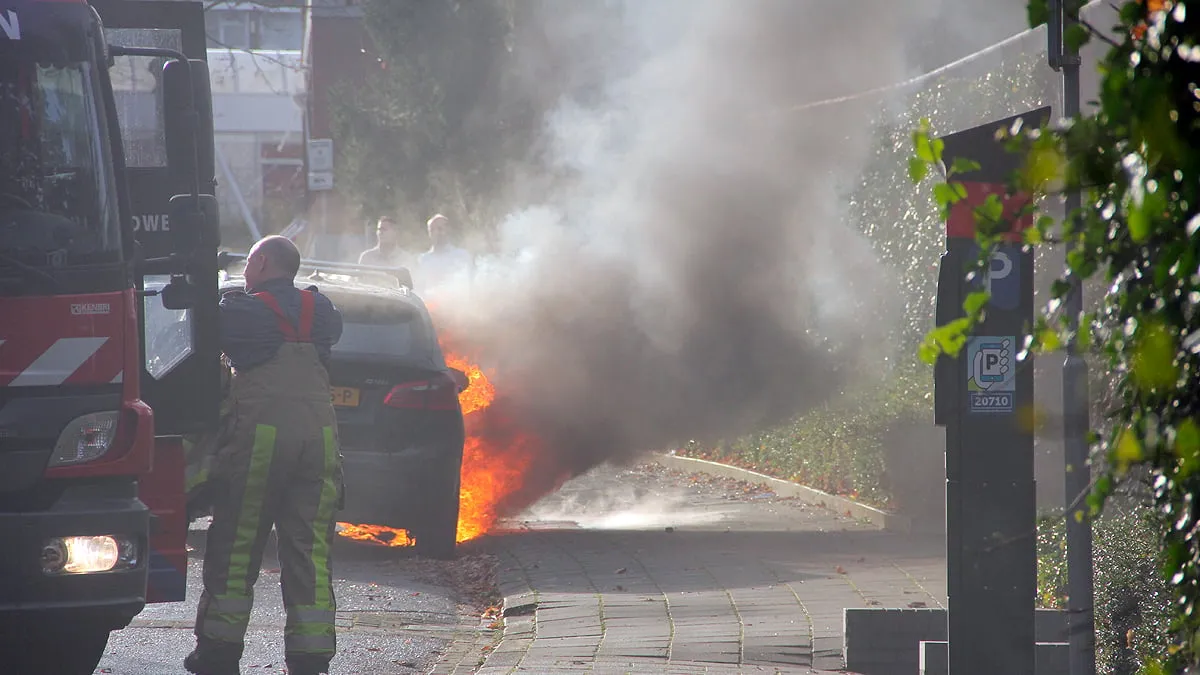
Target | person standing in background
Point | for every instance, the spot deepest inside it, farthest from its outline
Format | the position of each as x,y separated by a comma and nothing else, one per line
387,251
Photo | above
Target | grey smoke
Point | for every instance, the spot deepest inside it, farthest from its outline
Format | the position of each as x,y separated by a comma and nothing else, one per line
683,267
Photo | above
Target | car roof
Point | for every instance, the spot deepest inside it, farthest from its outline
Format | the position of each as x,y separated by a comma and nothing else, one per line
341,285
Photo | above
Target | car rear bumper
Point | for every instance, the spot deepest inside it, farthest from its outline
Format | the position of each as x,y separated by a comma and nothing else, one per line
395,488
26,593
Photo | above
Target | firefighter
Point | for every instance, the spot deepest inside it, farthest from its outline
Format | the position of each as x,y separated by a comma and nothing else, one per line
280,467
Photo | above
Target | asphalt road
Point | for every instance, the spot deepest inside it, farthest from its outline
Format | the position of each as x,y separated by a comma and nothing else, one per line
396,614
653,571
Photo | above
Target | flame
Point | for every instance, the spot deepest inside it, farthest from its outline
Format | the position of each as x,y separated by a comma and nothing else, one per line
479,393
491,470
375,534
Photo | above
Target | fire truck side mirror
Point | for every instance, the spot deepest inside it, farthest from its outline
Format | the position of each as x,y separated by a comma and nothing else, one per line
188,122
187,116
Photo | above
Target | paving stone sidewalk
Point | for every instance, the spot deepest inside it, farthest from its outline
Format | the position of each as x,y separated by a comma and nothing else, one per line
759,588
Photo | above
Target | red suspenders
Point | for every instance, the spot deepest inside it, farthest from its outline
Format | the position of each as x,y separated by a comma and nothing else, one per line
292,333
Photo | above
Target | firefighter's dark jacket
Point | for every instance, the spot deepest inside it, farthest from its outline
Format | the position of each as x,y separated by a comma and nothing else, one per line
250,333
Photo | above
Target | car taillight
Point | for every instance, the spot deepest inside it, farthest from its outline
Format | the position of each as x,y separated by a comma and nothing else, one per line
437,393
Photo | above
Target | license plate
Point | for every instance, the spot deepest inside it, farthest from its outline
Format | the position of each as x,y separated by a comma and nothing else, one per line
345,397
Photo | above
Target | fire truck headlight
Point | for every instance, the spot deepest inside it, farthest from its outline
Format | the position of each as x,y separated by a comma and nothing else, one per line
87,555
85,438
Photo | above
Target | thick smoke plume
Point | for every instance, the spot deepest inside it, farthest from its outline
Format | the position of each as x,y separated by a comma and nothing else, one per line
688,272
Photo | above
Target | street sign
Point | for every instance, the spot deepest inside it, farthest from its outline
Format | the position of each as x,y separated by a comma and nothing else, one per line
318,181
320,155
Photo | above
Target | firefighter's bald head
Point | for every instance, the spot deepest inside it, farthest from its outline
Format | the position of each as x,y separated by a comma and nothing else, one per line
273,257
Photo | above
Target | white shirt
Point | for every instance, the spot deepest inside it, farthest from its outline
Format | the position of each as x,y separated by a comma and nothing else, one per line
437,266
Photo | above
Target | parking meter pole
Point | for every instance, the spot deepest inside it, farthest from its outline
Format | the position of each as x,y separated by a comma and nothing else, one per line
1076,422
982,397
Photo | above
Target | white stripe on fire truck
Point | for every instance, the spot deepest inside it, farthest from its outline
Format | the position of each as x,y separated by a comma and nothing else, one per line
58,362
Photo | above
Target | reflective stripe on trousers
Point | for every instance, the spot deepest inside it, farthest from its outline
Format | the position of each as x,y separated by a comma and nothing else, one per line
280,468
225,616
310,629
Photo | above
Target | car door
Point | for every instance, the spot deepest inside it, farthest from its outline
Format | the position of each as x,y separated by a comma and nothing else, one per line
180,377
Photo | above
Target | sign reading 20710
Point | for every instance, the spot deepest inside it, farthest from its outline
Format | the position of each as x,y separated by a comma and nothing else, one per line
991,374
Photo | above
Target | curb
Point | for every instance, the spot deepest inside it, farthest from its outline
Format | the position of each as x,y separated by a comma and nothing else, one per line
892,522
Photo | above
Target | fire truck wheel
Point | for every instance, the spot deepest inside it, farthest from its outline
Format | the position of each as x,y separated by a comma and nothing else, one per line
43,649
438,534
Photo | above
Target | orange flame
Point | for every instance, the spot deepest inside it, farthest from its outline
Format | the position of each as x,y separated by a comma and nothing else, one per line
492,470
375,534
489,472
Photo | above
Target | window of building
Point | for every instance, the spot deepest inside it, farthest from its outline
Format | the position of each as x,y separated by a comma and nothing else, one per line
277,29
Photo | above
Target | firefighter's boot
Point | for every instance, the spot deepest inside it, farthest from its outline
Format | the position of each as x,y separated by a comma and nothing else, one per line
212,657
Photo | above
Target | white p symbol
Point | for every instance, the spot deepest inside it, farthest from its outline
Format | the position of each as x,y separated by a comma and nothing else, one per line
1005,269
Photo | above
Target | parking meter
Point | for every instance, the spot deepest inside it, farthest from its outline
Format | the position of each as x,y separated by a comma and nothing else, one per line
983,398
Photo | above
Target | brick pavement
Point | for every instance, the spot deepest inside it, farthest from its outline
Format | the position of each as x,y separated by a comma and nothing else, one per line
759,588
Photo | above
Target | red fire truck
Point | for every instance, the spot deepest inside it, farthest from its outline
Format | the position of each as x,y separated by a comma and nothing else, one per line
108,295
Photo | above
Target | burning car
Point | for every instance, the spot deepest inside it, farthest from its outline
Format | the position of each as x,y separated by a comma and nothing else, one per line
400,425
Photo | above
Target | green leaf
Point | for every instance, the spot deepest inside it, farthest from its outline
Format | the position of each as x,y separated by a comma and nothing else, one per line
1153,667
1038,12
1143,216
1033,236
989,216
946,194
1076,36
922,146
951,337
917,169
1049,340
975,302
1075,261
1128,450
1044,167
963,165
1187,447
928,351
1152,365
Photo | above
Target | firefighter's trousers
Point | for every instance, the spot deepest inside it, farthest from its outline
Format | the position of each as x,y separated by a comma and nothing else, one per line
280,468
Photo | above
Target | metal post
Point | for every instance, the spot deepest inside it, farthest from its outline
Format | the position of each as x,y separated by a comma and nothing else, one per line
1076,422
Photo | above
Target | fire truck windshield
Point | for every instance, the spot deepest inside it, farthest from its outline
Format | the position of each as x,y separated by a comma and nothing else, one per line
58,203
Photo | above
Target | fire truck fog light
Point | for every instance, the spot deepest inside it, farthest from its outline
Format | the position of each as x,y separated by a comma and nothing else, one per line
85,438
87,555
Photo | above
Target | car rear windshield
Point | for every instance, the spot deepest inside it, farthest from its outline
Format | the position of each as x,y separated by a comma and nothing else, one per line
371,327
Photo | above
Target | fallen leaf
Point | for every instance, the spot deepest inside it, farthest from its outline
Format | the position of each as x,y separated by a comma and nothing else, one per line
840,570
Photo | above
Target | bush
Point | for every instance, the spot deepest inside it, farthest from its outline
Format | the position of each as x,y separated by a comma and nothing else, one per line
842,447
1133,601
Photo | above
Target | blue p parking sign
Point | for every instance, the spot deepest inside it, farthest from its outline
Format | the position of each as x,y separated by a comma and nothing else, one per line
991,374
